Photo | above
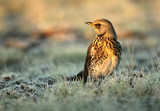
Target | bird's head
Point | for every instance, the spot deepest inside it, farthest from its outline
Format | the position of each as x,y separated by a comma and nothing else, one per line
103,27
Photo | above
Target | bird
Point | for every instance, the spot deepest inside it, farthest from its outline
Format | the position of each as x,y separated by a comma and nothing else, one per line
103,54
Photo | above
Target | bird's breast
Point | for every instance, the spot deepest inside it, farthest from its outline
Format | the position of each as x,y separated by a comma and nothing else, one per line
105,54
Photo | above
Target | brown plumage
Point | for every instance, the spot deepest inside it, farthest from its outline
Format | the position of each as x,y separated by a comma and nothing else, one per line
103,54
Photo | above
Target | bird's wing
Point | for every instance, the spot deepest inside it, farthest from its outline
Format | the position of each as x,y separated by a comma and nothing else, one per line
91,53
84,73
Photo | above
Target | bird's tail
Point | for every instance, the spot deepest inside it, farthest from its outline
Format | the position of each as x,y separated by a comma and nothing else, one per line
78,76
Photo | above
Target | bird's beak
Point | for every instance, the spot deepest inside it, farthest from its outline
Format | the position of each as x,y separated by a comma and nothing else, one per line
89,23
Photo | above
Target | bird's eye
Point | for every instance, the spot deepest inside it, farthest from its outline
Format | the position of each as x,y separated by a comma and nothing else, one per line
98,25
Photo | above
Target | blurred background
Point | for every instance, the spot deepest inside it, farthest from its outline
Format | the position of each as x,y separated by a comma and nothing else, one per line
40,35
28,18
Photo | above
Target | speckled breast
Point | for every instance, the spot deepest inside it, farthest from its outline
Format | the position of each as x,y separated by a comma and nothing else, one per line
106,59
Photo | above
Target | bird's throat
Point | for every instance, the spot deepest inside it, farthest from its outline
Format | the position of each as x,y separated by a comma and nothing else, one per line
100,35
107,35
